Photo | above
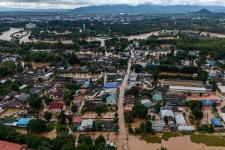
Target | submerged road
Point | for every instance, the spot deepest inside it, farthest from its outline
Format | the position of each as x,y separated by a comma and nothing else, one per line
122,143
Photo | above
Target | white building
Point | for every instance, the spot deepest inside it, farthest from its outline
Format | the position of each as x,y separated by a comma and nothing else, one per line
30,26
158,126
187,89
180,120
86,124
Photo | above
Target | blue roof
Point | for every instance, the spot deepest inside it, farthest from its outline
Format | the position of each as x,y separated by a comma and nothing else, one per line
111,85
24,121
216,122
208,102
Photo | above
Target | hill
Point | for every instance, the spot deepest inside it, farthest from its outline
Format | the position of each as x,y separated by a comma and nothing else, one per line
144,9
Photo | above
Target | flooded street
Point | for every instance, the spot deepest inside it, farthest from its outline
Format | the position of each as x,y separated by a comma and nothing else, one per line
6,35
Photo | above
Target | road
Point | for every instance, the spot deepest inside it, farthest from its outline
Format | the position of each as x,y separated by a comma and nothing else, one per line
122,143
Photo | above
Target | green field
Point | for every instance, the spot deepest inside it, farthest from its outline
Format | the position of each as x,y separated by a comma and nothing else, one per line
150,138
209,140
167,135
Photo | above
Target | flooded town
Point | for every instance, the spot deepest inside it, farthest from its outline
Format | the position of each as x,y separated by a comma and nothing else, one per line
93,79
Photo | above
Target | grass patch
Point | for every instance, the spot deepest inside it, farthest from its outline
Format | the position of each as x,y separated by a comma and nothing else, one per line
209,140
167,135
150,138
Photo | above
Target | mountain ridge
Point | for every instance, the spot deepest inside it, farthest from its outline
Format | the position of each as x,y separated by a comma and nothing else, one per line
144,9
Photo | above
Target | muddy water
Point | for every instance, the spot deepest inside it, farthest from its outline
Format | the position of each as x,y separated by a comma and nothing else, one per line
6,35
175,143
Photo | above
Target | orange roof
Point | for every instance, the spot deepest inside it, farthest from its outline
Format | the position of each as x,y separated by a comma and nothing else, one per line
5,145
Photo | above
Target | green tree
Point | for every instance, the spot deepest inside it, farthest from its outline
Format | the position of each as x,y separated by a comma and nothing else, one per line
36,126
85,139
100,140
202,75
62,117
140,111
35,102
74,108
137,68
99,109
48,116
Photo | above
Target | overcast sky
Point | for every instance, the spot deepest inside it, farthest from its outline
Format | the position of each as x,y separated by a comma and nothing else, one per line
79,3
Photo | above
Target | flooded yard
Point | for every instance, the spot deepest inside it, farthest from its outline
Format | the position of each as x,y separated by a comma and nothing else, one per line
9,112
38,65
6,36
94,115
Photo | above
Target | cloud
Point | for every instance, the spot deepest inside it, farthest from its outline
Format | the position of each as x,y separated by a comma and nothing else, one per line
80,3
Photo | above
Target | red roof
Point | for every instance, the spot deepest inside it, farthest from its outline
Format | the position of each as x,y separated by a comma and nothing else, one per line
56,105
77,120
5,145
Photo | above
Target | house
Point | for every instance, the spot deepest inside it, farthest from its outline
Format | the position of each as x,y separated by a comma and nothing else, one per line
23,122
14,104
147,103
23,97
167,112
5,145
186,89
111,99
110,90
158,126
179,117
78,100
133,77
30,26
174,99
56,107
86,124
129,100
57,93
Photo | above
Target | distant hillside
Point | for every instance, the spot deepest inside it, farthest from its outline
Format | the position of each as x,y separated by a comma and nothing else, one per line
4,9
144,9
207,13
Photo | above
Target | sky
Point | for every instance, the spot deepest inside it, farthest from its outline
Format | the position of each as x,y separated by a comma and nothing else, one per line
58,4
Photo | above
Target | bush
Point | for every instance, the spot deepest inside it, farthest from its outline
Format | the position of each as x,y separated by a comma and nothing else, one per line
36,126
